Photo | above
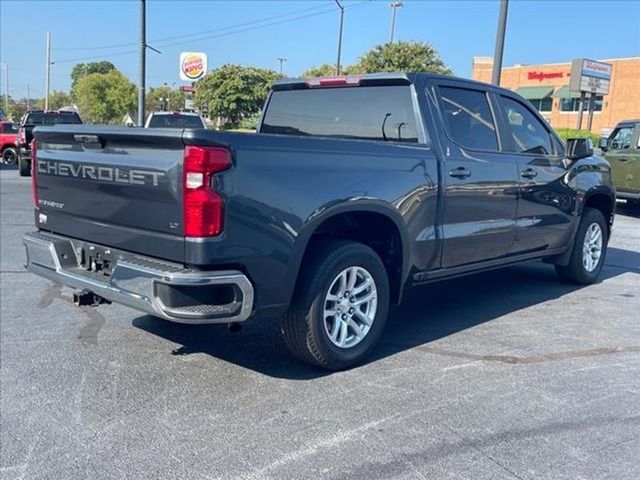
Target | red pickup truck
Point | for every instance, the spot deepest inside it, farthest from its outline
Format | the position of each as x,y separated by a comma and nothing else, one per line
8,137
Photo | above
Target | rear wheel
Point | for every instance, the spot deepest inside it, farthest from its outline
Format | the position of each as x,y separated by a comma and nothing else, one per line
589,250
9,156
24,167
340,306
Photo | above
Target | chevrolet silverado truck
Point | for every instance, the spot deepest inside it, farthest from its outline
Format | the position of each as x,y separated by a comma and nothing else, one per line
352,190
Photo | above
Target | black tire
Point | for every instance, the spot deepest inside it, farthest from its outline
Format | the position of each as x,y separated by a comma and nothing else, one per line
575,271
24,167
9,156
303,326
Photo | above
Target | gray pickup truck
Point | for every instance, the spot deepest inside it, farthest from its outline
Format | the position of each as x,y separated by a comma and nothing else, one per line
353,189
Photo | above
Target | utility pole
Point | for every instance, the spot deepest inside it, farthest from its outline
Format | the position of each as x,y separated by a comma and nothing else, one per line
6,89
339,36
281,60
142,62
28,97
47,81
502,28
394,6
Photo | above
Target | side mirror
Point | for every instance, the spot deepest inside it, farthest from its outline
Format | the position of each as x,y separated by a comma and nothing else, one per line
578,148
604,144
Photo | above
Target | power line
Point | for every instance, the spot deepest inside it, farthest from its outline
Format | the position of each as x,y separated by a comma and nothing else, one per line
203,32
209,37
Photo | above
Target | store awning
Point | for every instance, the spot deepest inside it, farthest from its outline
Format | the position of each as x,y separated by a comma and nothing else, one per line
564,92
531,93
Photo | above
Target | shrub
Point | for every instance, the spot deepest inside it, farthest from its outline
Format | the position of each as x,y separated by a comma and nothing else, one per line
566,133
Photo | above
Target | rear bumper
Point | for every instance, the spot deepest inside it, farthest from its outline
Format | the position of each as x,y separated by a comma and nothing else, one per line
142,283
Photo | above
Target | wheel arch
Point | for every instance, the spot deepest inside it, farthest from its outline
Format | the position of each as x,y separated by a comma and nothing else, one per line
604,200
374,223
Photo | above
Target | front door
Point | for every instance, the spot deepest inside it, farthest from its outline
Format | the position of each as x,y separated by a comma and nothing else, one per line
545,204
624,156
480,182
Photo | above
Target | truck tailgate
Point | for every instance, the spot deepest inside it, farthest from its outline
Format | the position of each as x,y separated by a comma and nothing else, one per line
116,186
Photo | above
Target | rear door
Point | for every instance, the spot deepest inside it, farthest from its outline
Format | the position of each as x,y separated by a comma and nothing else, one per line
624,156
480,181
545,205
118,187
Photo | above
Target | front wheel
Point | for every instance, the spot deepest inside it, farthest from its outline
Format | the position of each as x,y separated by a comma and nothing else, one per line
589,250
9,156
340,305
24,167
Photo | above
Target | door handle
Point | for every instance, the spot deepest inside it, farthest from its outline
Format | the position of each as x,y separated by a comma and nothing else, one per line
529,173
460,172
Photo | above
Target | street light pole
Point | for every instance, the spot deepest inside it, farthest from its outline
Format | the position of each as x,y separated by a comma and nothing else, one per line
47,82
394,6
6,89
502,28
339,36
142,61
281,60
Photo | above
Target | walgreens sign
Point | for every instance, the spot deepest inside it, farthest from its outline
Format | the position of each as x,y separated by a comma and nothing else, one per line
540,76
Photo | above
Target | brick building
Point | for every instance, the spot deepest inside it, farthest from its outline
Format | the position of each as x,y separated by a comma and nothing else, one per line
547,88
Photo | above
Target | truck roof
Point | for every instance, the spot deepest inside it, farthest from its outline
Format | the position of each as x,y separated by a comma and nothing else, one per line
391,78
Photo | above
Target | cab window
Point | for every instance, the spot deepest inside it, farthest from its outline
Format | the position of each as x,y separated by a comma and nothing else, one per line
621,138
529,133
468,118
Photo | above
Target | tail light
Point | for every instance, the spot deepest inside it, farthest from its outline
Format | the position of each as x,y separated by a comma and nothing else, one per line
203,214
34,171
22,135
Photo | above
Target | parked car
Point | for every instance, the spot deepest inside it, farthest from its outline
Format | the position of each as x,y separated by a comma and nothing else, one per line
175,120
8,137
622,150
353,190
32,119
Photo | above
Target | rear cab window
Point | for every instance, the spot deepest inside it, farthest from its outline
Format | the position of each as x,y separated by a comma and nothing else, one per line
52,118
382,113
175,120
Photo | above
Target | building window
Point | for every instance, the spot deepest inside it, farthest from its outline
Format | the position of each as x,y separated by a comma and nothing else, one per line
573,104
542,104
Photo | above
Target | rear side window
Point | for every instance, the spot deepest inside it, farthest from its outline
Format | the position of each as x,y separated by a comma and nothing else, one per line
9,128
176,121
368,113
529,134
468,118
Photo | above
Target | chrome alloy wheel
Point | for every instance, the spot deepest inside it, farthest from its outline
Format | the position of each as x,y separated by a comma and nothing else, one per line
350,307
592,247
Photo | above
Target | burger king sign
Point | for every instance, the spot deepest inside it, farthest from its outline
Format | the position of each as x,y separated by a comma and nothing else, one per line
193,66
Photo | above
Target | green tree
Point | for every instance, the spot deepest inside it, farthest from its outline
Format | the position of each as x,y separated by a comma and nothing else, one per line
234,92
83,69
324,70
59,99
105,97
156,99
401,57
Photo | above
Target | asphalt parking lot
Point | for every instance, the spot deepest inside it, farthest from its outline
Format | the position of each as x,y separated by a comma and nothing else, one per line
502,375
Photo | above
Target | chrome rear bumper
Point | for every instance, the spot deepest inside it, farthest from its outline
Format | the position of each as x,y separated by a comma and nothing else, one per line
138,282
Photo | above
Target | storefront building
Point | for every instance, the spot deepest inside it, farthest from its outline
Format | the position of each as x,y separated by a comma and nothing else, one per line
547,88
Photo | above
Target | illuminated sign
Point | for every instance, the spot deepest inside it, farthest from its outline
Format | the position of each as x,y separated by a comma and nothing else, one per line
193,66
590,76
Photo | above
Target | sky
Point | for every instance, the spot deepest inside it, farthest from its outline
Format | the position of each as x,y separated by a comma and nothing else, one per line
257,32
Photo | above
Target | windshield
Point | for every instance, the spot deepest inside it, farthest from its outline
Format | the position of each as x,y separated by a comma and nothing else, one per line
52,118
176,121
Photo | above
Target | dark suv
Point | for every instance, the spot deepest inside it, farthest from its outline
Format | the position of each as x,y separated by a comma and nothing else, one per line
29,121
